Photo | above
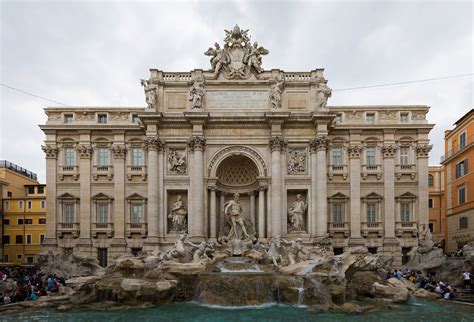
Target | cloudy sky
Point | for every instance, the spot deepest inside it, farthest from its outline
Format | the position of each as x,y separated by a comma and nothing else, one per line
93,53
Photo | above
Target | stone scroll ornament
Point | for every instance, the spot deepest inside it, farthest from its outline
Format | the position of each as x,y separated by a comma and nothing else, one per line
239,58
150,93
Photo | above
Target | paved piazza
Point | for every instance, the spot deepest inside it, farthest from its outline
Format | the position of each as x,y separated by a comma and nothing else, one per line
122,180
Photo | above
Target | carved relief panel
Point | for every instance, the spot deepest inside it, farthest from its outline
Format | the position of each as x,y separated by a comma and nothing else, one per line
177,162
297,161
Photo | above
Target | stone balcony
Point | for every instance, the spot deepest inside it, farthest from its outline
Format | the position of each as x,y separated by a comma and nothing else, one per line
136,170
68,228
375,170
68,170
102,228
337,170
338,227
136,228
372,227
405,169
406,227
103,170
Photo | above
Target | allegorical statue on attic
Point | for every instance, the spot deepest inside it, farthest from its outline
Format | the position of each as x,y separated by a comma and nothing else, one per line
239,58
196,93
150,92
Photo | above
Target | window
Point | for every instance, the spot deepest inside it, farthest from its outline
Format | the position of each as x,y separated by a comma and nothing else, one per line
463,223
9,194
370,118
371,212
29,239
136,251
337,156
430,180
40,190
69,157
461,168
338,212
372,250
102,256
20,221
405,208
462,140
137,157
30,204
102,118
102,213
41,238
6,222
6,239
135,119
431,227
7,205
430,203
403,117
404,155
338,118
28,221
68,213
20,204
19,239
19,256
461,195
42,221
43,204
68,118
31,190
103,157
137,213
29,260
370,155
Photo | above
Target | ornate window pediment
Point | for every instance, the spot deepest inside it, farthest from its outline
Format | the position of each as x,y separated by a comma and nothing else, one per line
406,196
102,196
372,197
67,196
136,196
339,196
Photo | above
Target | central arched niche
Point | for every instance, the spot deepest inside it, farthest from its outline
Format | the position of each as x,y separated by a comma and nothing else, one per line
237,173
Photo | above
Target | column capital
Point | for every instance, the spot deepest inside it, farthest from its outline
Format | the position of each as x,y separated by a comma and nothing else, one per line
251,193
320,143
276,143
50,151
197,143
84,151
153,143
119,151
423,150
388,150
354,150
221,193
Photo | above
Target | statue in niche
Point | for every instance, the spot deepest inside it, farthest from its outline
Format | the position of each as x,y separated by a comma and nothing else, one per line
177,161
296,162
196,93
296,213
150,92
236,226
275,92
178,216
323,93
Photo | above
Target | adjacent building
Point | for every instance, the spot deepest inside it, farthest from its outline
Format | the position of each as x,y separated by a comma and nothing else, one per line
437,204
23,213
458,162
120,180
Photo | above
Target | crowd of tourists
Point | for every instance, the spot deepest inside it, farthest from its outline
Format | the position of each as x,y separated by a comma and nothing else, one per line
429,281
29,284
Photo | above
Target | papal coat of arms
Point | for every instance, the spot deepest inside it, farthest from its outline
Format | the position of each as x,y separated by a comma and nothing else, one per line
239,58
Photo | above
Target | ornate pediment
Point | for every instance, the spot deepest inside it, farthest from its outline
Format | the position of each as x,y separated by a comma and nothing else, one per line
239,58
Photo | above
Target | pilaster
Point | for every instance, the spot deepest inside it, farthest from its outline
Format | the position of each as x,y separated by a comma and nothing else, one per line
354,150
276,146
197,144
84,151
422,154
319,145
51,153
119,151
388,152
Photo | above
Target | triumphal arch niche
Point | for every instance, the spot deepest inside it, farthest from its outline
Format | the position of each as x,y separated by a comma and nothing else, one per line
236,152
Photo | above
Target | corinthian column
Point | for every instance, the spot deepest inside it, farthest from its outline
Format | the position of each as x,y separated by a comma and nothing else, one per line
319,145
422,153
197,144
51,194
354,151
85,153
213,212
152,145
388,152
276,145
119,152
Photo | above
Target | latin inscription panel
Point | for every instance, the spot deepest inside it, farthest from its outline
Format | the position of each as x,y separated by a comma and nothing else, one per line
237,99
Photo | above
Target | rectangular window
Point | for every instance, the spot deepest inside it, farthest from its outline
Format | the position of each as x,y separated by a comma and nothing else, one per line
30,204
370,118
28,221
41,238
337,156
430,203
68,213
43,204
102,118
370,155
42,221
461,168
430,180
18,256
40,190
462,140
6,239
29,239
405,211
463,223
338,212
20,221
20,204
461,195
371,212
69,157
404,155
403,117
137,157
431,227
137,213
68,118
7,205
19,239
9,194
102,256
31,190
102,213
6,222
103,157
29,260
135,119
